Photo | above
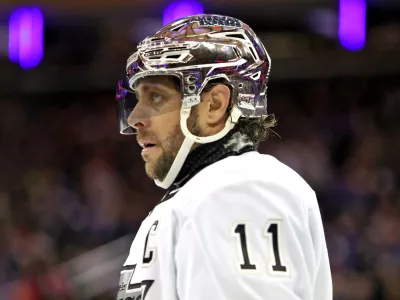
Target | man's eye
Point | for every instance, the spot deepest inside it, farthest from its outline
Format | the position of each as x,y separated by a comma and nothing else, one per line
156,98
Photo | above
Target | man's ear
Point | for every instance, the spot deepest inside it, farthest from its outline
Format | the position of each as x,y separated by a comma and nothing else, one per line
218,103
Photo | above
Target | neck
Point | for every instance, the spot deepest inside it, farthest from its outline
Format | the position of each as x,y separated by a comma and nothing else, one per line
203,155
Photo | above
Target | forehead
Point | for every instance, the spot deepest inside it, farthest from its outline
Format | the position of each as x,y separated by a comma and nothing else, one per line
160,82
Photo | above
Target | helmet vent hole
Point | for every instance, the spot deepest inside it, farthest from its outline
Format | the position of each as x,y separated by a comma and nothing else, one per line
176,56
178,27
253,53
236,51
256,76
177,48
237,36
157,39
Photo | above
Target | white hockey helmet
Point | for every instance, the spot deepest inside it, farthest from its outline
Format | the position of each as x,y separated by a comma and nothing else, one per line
197,50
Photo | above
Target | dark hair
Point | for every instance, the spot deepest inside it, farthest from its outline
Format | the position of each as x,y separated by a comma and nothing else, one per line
257,129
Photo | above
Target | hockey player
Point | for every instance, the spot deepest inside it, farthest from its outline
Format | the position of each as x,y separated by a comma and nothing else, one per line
233,224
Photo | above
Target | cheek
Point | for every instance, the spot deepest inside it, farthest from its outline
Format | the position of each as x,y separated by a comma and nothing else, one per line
166,126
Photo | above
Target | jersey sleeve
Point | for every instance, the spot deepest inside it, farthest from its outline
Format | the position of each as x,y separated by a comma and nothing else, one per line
253,241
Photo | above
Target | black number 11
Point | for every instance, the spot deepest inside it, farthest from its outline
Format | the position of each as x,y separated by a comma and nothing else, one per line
240,229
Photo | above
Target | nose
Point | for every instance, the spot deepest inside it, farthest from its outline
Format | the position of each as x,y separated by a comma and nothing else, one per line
136,121
138,124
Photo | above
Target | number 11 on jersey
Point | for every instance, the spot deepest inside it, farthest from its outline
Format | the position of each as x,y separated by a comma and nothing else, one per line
272,232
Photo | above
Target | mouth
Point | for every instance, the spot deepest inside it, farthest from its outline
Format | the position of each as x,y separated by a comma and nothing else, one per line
148,148
146,145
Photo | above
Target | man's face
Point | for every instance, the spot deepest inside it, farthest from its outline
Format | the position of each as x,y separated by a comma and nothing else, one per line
157,121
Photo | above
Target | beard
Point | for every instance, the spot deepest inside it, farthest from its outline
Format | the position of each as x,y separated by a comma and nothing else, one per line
170,148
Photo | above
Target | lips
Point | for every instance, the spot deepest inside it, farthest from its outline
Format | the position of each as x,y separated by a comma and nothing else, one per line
149,145
146,145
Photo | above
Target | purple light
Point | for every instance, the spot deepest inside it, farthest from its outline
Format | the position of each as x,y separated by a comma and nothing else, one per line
352,24
13,36
25,44
180,9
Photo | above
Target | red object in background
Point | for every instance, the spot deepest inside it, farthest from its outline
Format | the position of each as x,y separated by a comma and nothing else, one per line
50,284
26,289
54,285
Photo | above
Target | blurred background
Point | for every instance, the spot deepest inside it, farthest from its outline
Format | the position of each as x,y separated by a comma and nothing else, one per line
73,191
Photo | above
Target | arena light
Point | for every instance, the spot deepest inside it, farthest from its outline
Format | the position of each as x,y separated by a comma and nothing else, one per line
180,9
352,24
26,37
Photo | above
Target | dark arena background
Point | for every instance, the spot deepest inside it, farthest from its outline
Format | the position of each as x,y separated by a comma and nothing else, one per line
73,192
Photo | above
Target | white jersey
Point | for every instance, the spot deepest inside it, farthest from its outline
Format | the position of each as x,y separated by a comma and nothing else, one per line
245,227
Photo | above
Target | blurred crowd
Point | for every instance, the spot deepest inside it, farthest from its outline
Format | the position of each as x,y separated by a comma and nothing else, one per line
70,183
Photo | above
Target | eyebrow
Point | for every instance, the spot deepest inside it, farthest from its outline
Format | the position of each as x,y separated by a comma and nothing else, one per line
157,86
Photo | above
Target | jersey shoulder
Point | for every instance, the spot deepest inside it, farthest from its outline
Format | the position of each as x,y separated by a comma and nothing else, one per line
252,177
